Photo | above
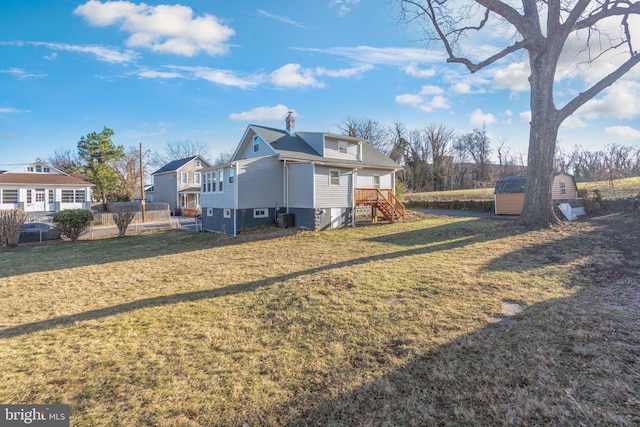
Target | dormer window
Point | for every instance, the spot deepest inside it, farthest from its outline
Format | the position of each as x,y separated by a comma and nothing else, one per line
198,164
29,168
342,147
256,144
38,168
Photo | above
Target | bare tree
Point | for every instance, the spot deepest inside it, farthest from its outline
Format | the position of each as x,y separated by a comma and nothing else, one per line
440,139
177,150
66,161
544,30
222,158
476,145
373,131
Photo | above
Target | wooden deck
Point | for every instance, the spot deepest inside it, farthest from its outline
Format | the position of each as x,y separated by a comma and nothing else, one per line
380,200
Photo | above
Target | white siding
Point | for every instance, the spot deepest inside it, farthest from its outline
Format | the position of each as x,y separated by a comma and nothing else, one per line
219,199
327,195
365,178
260,183
248,153
331,149
300,185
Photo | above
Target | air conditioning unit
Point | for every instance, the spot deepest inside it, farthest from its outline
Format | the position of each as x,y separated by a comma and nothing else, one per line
285,220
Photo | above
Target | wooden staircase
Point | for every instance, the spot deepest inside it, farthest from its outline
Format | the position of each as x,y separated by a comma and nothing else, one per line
383,201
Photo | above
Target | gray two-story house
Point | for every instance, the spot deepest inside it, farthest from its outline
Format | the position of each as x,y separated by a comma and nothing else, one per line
178,183
316,178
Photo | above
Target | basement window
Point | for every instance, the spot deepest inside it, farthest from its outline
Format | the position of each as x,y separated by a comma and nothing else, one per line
227,213
260,213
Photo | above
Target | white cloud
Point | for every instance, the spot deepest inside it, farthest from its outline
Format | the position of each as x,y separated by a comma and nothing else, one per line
409,98
101,53
514,77
343,6
413,70
478,118
222,77
525,116
9,110
283,19
276,112
396,56
466,89
431,90
153,74
345,72
418,101
21,74
293,75
625,133
163,28
620,101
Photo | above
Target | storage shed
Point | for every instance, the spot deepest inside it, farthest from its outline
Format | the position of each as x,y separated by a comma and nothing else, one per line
509,192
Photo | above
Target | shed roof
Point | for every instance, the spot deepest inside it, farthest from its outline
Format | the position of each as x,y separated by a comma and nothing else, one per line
510,185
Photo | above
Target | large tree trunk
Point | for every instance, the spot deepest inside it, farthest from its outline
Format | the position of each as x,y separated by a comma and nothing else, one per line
538,211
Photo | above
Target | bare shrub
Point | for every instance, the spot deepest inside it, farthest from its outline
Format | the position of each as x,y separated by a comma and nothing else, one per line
122,216
11,222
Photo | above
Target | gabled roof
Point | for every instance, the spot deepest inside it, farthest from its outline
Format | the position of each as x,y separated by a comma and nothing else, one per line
177,164
42,178
295,147
510,185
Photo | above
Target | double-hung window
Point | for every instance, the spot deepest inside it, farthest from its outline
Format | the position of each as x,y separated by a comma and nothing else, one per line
334,177
184,178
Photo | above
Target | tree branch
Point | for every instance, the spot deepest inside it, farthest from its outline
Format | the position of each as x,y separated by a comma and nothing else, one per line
473,67
603,12
594,90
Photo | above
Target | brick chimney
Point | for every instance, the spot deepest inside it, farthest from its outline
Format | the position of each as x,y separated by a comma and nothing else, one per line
291,123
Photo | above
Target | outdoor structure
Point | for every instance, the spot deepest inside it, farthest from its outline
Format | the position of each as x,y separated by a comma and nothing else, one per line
509,192
40,188
313,180
178,183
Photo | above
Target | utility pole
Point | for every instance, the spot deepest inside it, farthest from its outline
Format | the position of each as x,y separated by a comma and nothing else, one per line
142,202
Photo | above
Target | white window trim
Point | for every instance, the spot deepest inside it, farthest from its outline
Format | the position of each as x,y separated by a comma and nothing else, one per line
330,183
256,144
374,181
261,213
184,178
209,211
197,178
226,213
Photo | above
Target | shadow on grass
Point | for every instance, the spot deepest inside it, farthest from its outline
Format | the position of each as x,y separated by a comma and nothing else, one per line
563,362
566,361
426,236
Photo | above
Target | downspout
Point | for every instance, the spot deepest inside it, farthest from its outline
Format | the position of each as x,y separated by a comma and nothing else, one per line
285,185
354,180
236,187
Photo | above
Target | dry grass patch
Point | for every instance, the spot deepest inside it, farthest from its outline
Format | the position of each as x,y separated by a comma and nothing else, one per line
384,325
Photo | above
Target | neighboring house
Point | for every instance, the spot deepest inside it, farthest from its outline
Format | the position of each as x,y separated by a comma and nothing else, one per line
39,188
308,179
178,183
509,192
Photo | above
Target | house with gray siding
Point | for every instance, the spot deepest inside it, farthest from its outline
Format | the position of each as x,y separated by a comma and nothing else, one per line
178,183
313,179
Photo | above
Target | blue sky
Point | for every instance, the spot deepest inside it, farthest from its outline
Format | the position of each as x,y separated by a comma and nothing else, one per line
159,71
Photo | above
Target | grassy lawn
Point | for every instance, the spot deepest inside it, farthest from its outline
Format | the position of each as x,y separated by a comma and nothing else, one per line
627,187
398,324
